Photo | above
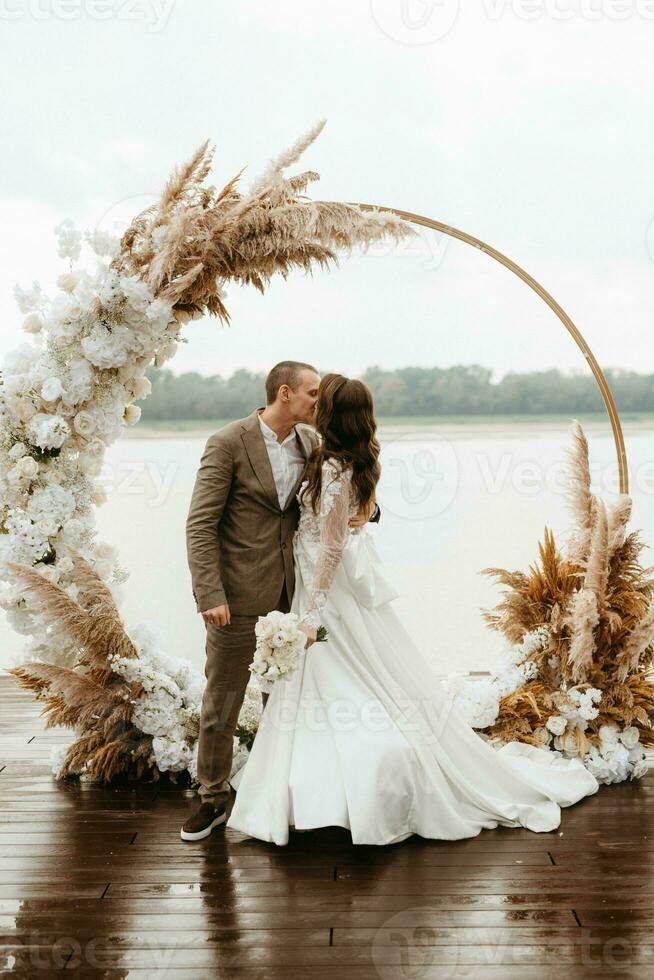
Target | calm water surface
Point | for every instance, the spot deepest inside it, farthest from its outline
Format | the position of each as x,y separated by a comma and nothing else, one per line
453,502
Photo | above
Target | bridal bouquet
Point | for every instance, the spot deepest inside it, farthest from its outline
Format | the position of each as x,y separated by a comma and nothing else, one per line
280,646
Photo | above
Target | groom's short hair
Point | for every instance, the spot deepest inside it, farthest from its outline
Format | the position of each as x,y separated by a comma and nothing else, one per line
285,373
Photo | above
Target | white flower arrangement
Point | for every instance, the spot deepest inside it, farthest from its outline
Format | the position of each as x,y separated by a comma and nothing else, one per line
61,408
479,700
280,646
620,755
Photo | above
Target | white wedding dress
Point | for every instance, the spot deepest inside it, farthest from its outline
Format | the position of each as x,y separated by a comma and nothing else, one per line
363,735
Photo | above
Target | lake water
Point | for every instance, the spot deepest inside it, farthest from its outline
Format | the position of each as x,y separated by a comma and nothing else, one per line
455,500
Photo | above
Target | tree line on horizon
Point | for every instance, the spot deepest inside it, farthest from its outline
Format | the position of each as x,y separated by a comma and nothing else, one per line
410,391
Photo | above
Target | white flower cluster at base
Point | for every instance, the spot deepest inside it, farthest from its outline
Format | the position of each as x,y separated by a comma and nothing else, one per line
620,754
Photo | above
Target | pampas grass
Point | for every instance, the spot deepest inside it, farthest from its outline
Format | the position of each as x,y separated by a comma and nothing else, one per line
597,601
196,239
89,697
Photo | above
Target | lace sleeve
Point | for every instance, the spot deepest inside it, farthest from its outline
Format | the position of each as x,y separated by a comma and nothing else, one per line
334,525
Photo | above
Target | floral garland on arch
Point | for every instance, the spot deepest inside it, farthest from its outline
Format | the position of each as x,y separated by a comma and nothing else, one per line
577,676
66,396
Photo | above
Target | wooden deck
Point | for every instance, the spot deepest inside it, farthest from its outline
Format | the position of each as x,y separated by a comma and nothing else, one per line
96,881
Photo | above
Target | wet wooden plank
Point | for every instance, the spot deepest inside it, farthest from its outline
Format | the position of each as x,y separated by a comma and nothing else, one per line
94,879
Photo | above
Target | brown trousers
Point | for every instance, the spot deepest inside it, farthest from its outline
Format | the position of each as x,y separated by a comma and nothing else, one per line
229,652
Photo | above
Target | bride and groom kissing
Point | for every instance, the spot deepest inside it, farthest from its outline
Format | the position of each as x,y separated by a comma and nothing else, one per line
279,519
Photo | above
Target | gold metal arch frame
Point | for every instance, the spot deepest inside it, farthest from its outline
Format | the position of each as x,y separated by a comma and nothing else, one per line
605,391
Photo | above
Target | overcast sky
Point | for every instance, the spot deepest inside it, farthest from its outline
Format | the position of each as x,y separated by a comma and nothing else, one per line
528,125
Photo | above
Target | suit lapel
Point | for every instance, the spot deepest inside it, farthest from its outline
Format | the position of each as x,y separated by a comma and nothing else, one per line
255,447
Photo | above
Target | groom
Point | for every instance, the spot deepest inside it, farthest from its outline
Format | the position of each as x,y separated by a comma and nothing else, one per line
239,541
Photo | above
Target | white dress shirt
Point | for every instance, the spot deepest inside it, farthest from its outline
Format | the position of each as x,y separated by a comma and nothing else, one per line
286,460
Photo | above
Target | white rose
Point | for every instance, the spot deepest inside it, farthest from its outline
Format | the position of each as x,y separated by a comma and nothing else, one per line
27,467
67,281
84,423
47,527
51,389
630,736
556,724
132,414
32,323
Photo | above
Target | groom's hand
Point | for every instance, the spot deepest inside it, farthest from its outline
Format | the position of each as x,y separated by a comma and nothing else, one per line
219,615
364,515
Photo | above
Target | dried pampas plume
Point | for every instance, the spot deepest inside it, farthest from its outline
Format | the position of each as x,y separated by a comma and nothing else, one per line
89,697
196,239
597,602
580,498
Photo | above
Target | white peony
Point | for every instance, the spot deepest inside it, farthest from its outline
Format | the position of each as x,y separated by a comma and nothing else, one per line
107,348
48,431
64,316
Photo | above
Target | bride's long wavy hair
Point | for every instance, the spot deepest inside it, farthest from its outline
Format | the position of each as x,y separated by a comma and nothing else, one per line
345,419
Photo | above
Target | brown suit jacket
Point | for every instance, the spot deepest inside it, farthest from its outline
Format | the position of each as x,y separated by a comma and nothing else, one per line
239,542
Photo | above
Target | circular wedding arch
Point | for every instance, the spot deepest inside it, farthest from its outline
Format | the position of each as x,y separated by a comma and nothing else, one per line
605,391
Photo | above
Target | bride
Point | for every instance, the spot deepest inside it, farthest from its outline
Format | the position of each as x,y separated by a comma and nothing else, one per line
363,735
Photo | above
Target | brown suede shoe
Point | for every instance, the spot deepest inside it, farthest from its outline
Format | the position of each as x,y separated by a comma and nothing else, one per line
201,823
